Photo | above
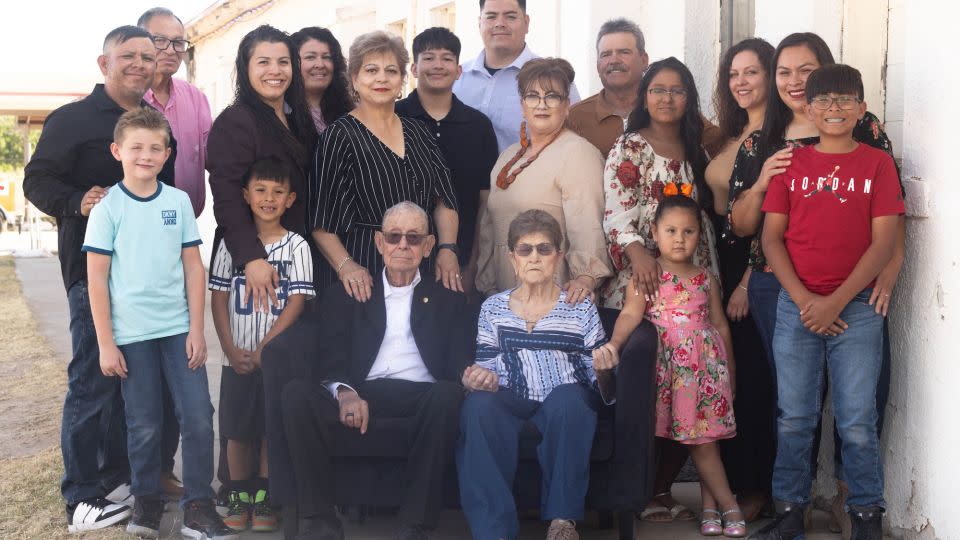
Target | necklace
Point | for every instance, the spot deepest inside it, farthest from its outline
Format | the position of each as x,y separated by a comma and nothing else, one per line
533,317
505,178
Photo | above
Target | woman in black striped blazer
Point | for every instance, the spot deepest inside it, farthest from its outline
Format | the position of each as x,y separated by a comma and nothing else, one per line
369,160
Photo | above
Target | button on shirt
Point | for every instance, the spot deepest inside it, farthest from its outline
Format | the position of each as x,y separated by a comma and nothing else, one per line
72,156
466,139
399,357
188,113
497,95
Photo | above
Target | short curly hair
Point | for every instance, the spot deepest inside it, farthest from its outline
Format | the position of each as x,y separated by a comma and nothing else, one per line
377,42
532,222
142,118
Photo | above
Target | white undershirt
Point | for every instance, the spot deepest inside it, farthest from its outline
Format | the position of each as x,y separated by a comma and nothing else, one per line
399,357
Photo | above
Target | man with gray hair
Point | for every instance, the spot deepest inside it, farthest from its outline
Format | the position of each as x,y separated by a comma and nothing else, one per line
399,355
183,104
621,62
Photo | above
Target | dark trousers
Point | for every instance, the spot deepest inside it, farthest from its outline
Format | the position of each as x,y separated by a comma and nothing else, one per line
634,416
93,436
310,420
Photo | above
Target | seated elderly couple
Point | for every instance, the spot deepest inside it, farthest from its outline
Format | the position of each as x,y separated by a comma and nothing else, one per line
411,351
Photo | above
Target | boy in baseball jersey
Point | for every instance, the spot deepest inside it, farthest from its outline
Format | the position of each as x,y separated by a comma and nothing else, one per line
244,331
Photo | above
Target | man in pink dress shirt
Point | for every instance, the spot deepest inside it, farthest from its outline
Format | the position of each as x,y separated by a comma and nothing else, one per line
184,105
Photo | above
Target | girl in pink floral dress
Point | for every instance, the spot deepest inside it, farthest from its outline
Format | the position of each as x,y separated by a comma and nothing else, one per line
694,366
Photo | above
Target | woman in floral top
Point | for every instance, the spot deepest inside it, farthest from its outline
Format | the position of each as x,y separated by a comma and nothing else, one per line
660,150
765,154
661,147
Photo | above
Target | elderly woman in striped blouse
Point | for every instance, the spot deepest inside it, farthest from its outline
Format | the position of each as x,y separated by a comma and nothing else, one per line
538,360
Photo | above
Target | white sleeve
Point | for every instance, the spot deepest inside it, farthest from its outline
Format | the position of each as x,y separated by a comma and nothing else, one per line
221,271
301,271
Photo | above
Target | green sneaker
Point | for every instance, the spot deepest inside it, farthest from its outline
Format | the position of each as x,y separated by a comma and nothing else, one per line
264,518
238,511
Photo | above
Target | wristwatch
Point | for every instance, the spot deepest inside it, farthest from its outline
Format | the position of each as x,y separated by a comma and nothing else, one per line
452,247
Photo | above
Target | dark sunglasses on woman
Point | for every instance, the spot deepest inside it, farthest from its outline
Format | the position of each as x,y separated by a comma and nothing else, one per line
544,249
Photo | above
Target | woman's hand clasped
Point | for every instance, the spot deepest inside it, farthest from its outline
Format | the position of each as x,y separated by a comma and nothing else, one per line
356,281
476,378
605,357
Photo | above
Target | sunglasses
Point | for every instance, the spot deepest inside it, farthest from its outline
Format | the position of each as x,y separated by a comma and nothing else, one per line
413,239
544,249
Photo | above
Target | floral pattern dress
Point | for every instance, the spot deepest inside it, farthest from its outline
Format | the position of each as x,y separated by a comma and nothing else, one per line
747,165
694,398
633,180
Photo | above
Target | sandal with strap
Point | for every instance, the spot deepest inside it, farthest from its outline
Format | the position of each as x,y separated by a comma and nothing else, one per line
734,528
710,527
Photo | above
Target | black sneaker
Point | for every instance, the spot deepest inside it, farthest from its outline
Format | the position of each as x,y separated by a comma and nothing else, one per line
95,514
202,522
788,525
867,523
147,513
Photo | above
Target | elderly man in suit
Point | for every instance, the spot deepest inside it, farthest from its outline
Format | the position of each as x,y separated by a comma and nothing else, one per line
399,355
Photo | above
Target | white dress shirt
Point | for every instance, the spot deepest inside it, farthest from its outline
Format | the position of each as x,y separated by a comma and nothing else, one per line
399,357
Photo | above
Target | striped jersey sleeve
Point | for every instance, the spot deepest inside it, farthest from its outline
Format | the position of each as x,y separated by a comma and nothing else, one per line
301,269
221,271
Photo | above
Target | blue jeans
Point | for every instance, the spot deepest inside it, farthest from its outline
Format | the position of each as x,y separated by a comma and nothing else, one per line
148,363
487,455
853,362
92,437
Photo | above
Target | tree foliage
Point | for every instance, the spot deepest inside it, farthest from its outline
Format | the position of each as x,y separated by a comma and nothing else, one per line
11,144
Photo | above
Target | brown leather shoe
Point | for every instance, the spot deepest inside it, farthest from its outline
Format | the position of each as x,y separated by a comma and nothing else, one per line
171,485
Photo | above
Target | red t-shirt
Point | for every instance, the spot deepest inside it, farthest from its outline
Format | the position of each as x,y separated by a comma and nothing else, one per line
830,200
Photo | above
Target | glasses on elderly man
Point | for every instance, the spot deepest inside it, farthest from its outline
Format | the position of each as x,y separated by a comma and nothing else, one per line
162,44
544,249
413,239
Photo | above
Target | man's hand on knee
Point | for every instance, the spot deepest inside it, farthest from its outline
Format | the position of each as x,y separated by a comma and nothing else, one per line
354,412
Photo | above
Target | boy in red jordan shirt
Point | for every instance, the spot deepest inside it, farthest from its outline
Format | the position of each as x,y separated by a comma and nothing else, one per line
830,227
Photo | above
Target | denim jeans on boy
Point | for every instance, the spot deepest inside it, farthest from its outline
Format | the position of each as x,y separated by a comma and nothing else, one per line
148,361
92,437
853,360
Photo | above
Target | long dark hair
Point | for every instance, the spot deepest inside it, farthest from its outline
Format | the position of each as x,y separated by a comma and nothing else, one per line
300,139
730,116
778,115
691,126
336,100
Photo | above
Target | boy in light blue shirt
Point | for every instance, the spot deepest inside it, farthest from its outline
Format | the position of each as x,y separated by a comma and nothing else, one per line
146,283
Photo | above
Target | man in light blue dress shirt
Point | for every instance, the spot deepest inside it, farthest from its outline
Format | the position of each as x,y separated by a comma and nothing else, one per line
489,81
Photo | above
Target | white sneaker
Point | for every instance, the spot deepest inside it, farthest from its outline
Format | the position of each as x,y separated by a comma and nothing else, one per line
121,495
96,514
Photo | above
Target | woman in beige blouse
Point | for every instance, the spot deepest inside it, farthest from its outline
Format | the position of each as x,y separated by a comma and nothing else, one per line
551,169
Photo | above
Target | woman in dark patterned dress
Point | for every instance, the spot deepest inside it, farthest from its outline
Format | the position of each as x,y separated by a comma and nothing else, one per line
765,154
369,160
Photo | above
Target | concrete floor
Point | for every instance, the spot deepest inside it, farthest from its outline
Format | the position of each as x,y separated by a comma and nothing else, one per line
43,288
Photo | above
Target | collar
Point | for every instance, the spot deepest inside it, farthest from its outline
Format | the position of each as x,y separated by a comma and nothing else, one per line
525,55
149,98
104,102
389,290
456,113
602,110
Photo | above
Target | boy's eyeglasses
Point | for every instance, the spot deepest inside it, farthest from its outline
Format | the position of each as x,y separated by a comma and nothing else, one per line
413,239
664,92
551,101
544,249
846,103
161,43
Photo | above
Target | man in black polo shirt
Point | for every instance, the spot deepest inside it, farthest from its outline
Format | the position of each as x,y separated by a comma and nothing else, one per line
464,134
68,175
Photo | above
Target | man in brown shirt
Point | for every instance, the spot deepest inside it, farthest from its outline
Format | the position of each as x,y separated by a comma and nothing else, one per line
621,62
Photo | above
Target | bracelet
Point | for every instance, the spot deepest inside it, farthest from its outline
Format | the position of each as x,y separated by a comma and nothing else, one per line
343,262
742,287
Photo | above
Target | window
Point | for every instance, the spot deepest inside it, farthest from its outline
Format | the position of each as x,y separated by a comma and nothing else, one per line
736,21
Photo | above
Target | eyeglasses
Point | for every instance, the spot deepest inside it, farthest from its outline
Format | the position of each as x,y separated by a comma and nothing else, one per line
663,92
550,100
544,249
823,103
162,44
413,239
